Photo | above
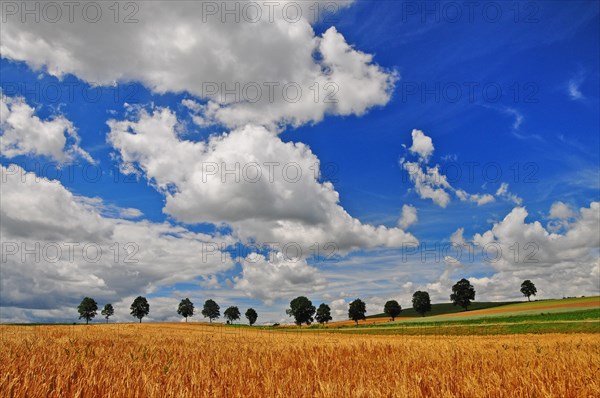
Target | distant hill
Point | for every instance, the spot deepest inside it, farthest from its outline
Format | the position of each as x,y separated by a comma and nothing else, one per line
445,308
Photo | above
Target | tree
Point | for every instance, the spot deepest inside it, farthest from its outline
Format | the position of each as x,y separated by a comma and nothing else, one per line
87,309
232,314
323,314
211,310
392,308
357,310
462,293
421,302
140,307
528,289
251,315
186,308
302,310
107,311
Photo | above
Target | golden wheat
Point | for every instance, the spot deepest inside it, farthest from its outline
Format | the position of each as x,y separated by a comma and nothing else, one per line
194,360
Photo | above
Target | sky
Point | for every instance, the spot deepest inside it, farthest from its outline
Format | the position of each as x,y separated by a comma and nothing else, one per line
252,152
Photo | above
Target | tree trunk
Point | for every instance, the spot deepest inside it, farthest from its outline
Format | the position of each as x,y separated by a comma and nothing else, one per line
86,321
186,319
140,320
528,299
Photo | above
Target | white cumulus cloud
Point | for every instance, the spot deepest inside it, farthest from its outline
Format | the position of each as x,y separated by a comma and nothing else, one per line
276,277
24,133
272,70
63,248
529,251
561,211
269,192
422,145
408,216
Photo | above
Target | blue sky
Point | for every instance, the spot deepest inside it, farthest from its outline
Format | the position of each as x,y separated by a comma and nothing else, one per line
506,105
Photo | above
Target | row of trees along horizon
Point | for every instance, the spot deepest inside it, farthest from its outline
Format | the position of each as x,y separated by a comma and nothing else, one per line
301,308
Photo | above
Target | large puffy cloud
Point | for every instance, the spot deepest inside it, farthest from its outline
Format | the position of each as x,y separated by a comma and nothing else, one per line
266,189
276,277
560,215
246,71
24,133
339,309
573,247
561,264
561,211
62,248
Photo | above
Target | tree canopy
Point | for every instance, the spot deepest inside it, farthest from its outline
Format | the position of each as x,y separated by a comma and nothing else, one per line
357,310
232,314
392,308
251,315
302,309
323,314
462,293
186,308
140,307
87,309
107,311
421,302
528,289
211,310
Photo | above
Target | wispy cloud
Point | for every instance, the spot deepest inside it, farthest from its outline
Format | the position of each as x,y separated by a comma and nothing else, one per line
574,87
518,119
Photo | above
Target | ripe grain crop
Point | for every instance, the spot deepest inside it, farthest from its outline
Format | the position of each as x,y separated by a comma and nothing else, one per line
195,360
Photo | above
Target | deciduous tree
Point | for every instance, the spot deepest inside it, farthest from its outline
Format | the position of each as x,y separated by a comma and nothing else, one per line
186,308
302,309
462,293
421,302
357,310
140,307
87,309
323,314
251,315
211,310
232,314
107,311
392,308
528,289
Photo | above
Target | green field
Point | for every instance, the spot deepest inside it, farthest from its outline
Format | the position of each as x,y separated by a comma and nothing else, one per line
576,315
480,330
581,321
517,306
445,308
561,316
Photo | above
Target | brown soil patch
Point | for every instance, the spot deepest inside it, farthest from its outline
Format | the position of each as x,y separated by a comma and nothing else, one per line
368,321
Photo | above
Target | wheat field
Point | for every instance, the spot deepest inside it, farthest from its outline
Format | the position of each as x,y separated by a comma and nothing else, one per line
194,360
